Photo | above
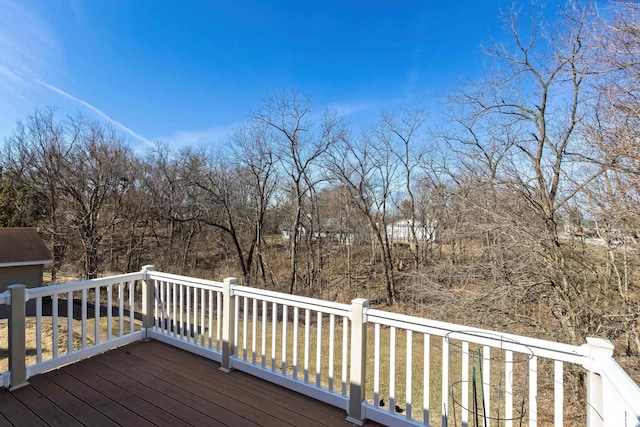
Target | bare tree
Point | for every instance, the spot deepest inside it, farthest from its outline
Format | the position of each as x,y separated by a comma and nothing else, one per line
403,139
94,181
256,171
174,209
37,154
300,147
368,169
521,125
614,133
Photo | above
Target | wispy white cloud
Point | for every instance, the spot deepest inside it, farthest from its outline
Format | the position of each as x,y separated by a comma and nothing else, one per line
199,138
348,108
96,110
31,55
7,72
28,49
28,45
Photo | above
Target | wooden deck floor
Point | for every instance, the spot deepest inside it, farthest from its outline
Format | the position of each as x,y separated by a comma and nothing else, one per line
151,383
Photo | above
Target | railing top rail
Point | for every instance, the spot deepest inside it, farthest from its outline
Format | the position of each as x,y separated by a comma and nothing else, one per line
4,297
294,300
44,291
626,389
538,347
185,280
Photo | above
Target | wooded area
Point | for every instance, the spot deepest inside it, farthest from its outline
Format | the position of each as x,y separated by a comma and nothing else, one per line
529,185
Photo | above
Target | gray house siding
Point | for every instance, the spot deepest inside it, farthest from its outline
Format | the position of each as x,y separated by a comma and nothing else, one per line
28,275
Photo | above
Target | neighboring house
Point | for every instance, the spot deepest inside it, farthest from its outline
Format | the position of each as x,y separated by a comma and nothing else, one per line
344,237
23,255
403,231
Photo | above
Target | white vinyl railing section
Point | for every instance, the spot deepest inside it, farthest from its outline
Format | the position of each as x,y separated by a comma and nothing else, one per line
56,325
387,367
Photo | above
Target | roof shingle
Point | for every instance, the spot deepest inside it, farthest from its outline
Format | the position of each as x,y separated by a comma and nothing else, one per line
22,246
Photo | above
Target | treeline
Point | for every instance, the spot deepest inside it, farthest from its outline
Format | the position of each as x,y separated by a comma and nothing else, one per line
531,159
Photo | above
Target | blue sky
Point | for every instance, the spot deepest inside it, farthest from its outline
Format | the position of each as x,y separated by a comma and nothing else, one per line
189,72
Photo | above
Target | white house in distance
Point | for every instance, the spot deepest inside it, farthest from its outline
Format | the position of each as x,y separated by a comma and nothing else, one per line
23,255
401,231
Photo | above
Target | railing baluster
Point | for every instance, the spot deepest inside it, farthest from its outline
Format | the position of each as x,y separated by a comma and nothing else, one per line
254,331
218,320
109,311
236,320
54,325
69,322
464,408
392,369
196,308
558,393
296,315
409,373
376,365
274,334
533,391
318,349
174,322
211,318
245,327
332,327
188,315
426,380
202,312
263,347
165,313
39,329
445,381
132,308
508,390
345,353
195,316
171,306
285,313
486,383
96,315
307,321
121,309
83,326
181,324
155,296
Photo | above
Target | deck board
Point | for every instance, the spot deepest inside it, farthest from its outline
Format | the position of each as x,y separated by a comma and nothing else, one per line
94,398
156,384
45,408
80,410
16,413
285,409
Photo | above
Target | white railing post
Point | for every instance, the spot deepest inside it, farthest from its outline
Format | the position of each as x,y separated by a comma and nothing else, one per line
598,349
148,299
358,374
17,348
228,323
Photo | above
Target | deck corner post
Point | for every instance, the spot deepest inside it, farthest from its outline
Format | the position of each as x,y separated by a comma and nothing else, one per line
228,323
358,373
17,347
148,299
597,350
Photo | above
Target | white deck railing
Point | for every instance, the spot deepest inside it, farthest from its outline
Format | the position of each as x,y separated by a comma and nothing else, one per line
82,319
387,367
